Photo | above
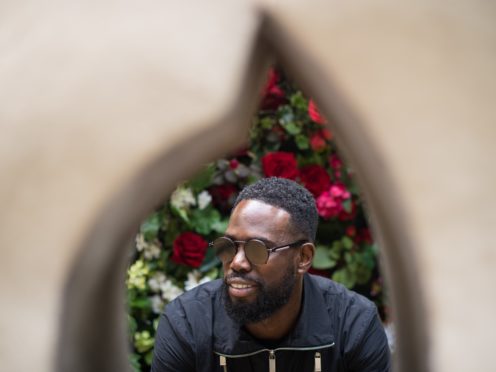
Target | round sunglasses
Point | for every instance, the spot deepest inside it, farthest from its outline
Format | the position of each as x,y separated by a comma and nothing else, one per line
256,251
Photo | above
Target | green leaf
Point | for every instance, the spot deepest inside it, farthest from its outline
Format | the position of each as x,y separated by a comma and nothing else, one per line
214,273
321,260
345,277
151,226
202,220
286,115
134,361
347,206
335,252
143,341
302,142
182,213
348,257
347,242
140,303
132,324
149,357
363,274
298,101
336,249
267,122
203,180
209,264
220,226
292,128
353,188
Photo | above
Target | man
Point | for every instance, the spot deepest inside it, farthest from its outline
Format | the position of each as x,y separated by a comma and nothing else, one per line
269,314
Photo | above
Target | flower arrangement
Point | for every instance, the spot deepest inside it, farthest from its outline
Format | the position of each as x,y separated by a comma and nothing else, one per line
288,139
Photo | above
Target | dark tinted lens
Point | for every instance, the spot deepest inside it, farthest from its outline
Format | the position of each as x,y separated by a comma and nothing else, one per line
224,249
256,251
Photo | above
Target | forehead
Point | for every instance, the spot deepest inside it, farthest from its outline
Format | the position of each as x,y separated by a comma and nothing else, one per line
256,219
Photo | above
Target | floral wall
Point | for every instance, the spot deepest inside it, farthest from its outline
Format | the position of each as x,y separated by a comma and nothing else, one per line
287,139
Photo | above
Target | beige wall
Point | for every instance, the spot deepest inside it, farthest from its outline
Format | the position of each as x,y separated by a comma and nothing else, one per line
106,106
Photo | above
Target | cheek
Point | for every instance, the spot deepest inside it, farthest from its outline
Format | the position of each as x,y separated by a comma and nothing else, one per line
225,267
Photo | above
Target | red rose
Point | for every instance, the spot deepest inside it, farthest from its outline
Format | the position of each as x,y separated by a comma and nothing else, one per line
351,231
189,249
317,142
363,236
315,178
280,164
233,164
272,96
314,113
326,133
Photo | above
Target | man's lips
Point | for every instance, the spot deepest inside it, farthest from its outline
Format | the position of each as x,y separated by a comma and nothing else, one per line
241,288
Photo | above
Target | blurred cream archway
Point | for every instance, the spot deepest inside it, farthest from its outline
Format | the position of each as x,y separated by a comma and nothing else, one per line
106,106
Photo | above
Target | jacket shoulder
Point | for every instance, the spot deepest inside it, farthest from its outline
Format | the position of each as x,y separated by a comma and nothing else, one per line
360,335
183,337
336,294
194,302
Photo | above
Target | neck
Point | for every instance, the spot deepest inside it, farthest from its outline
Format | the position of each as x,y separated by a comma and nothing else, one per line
282,321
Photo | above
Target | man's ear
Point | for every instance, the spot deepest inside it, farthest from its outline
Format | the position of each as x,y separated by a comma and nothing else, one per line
306,257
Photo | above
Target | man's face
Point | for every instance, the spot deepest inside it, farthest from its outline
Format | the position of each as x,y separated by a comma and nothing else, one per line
254,292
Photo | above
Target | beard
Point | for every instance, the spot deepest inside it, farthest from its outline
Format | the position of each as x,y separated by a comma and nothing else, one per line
267,302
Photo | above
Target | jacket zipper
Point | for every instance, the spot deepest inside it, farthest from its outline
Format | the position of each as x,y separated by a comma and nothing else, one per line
317,365
272,356
272,361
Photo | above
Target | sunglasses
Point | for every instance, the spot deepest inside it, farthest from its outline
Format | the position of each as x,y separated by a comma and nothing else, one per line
256,251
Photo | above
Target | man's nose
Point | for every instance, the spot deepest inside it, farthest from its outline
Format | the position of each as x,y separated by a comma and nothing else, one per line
240,261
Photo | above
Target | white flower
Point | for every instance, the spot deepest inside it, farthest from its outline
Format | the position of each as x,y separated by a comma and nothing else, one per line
152,251
157,304
137,275
140,242
182,197
194,280
204,199
169,290
156,281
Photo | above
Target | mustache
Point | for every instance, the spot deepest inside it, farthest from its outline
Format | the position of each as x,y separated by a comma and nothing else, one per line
245,277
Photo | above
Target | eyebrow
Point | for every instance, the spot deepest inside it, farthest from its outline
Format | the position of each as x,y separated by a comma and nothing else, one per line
266,241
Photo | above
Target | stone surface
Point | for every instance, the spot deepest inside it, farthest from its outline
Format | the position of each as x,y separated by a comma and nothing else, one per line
107,106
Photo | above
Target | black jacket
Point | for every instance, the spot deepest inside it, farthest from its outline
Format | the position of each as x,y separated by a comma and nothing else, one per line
337,329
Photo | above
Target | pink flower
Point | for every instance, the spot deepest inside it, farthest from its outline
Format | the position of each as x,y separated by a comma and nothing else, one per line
329,203
335,162
314,113
272,96
338,190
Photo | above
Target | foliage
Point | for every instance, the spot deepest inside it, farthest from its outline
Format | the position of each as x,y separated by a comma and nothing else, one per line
288,139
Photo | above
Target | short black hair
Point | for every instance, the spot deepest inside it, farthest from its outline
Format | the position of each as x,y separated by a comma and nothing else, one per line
288,195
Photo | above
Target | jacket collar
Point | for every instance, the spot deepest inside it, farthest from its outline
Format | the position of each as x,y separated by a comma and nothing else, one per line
313,328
